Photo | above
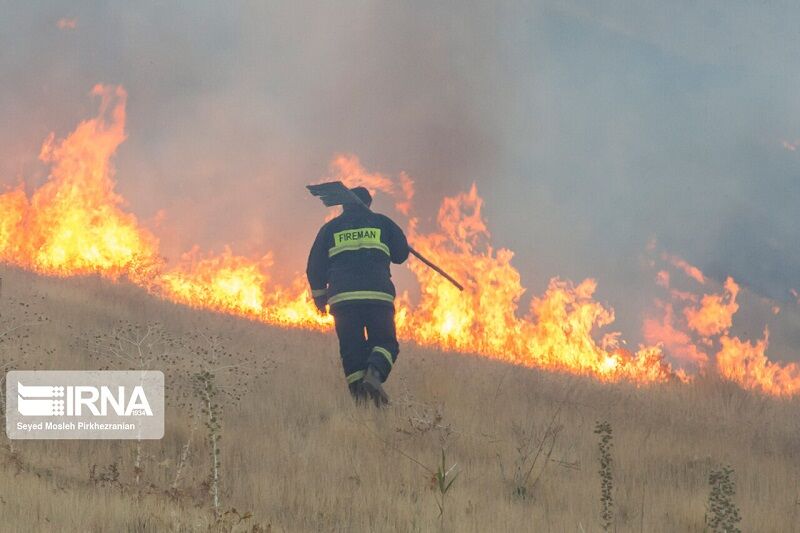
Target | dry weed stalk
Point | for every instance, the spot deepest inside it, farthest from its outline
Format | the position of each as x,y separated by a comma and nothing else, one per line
531,452
603,429
207,392
183,458
723,513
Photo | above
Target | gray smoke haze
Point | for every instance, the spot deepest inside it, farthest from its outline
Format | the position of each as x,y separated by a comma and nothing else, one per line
589,130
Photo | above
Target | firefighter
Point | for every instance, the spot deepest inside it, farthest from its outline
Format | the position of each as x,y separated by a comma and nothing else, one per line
348,270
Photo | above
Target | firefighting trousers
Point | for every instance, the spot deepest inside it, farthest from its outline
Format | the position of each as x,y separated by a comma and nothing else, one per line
366,337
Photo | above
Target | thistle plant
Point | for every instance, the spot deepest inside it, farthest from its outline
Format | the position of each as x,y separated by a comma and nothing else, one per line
217,384
129,346
603,429
723,514
206,391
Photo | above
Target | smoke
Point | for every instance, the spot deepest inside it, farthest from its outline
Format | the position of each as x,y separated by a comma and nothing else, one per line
589,131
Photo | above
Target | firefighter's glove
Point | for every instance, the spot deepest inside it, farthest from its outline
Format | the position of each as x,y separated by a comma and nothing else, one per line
321,302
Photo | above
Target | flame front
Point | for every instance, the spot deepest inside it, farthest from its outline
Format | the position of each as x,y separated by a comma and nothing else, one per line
75,224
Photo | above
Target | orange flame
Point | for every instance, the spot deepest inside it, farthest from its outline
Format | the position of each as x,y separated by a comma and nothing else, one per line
348,169
708,324
677,343
746,363
74,224
226,282
690,270
715,314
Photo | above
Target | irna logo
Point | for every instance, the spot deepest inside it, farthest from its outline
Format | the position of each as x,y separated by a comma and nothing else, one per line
81,400
84,404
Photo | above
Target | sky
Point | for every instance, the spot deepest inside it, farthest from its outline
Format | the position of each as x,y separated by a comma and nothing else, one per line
590,128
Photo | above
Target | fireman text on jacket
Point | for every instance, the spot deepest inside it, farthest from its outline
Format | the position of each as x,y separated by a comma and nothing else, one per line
357,239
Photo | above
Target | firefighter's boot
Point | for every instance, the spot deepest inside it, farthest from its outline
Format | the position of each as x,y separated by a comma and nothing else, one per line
358,393
373,387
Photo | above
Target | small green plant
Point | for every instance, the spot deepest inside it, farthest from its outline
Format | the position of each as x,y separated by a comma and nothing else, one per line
603,429
443,479
723,514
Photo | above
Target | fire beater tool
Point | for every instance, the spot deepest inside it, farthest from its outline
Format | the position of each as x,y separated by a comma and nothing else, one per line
336,193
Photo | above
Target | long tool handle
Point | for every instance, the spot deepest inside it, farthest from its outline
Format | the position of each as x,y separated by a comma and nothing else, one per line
447,276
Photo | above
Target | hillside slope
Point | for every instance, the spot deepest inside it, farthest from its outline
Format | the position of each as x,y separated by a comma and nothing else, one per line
297,455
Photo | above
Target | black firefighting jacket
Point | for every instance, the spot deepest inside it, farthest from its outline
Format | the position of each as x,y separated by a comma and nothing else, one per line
349,260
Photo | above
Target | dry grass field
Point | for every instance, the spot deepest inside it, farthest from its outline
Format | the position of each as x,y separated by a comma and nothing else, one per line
297,455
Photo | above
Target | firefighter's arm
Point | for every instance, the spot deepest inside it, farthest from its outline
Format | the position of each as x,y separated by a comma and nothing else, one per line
317,270
398,244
